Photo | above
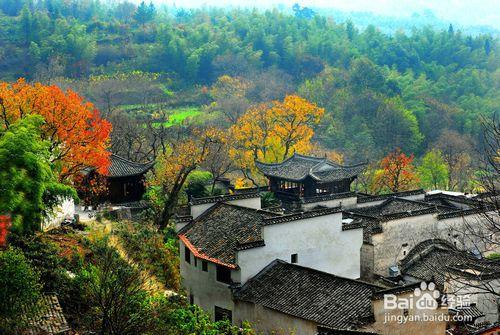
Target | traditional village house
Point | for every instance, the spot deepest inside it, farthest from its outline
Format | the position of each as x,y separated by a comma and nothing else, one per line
409,319
126,179
229,245
288,298
461,276
394,225
304,182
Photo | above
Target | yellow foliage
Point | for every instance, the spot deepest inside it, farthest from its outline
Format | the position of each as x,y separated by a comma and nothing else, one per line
271,133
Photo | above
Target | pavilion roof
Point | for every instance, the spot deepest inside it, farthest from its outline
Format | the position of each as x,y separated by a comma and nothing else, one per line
299,167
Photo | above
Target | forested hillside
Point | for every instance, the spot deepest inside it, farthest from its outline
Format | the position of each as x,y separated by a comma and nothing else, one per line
380,92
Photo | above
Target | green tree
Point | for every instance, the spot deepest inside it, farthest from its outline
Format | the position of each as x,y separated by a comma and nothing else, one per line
20,290
433,171
29,189
115,291
145,13
396,127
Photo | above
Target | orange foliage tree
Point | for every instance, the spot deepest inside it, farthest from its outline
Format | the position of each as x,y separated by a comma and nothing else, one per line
183,156
396,173
272,133
78,135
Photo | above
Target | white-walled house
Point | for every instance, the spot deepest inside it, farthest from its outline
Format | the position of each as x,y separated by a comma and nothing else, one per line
462,276
228,244
394,226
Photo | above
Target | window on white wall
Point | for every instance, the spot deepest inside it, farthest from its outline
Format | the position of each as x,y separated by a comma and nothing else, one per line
187,255
294,258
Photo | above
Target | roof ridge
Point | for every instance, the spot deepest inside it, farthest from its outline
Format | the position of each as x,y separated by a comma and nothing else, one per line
274,164
301,215
129,161
359,281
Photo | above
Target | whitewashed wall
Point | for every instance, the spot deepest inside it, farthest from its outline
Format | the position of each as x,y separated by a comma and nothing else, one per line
348,202
66,209
204,287
319,243
388,246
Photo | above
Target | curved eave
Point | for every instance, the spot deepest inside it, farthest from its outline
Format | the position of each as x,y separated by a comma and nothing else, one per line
203,256
127,175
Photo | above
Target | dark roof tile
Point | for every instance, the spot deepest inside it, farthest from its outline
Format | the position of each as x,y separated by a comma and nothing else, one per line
363,198
310,294
225,197
121,167
299,167
222,229
48,318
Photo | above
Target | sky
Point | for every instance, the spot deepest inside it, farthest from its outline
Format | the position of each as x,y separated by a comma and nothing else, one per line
471,12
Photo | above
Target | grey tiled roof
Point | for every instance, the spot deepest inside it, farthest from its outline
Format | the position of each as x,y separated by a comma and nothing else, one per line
371,225
224,197
396,290
468,311
319,198
392,206
310,294
301,215
298,167
121,167
434,259
48,318
362,198
223,229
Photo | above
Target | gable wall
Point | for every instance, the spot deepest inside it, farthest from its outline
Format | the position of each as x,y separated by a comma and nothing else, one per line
342,202
388,246
417,197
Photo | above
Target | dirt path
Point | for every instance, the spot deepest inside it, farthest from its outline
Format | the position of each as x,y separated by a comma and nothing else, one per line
151,282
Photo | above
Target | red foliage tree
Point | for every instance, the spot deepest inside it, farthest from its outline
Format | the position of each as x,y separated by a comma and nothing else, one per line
4,229
78,136
397,172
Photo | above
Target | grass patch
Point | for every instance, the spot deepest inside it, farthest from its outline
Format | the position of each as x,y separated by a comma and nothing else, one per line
178,115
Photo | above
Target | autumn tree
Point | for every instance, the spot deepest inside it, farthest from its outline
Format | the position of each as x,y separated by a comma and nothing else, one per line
182,156
272,132
77,135
397,173
92,188
433,171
